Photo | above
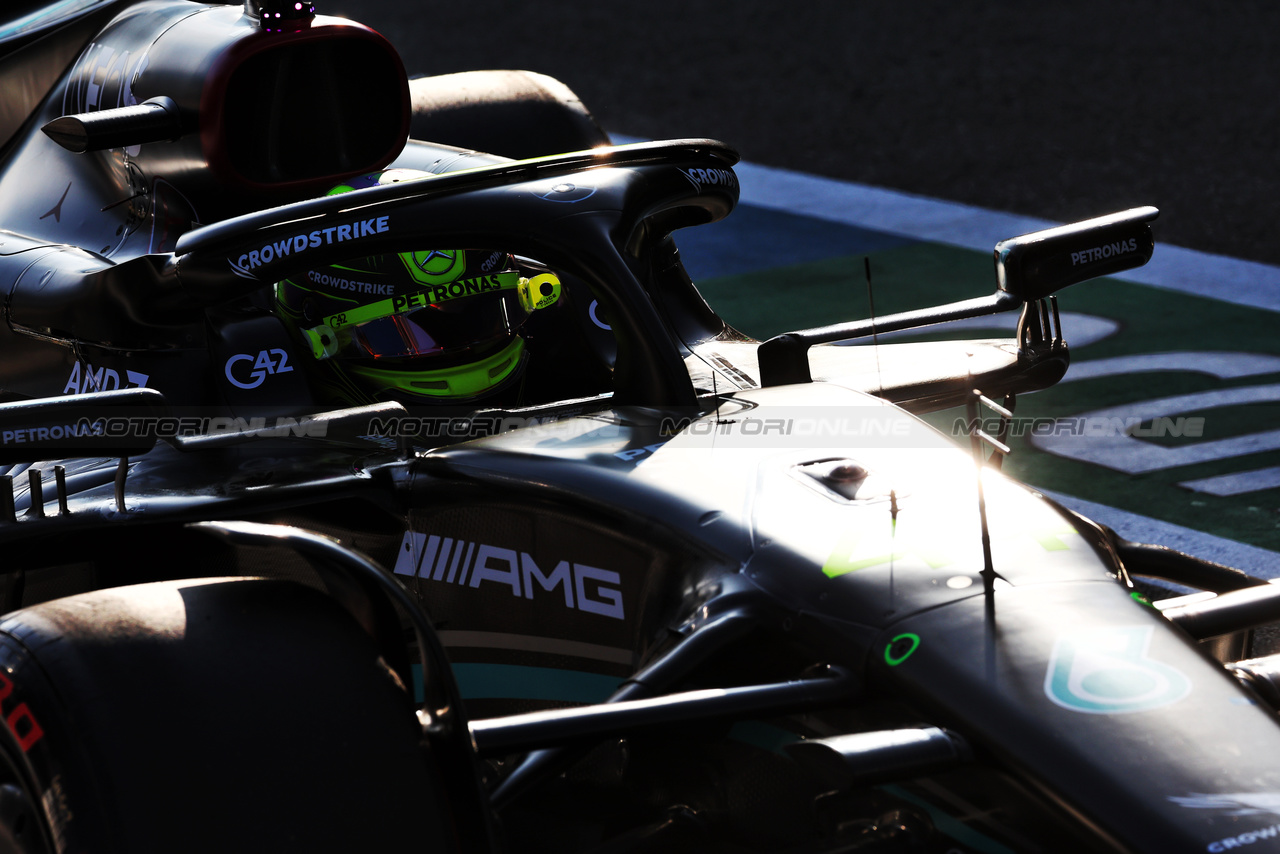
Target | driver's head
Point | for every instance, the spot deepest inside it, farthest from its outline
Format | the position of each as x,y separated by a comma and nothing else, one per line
428,326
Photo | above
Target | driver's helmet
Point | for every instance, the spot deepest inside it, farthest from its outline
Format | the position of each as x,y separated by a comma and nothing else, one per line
431,326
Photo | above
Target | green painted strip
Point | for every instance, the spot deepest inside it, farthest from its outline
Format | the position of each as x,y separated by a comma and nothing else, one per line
835,567
517,682
1053,544
513,681
1050,542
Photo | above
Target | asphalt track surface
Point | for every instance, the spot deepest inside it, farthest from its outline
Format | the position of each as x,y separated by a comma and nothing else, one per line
1058,111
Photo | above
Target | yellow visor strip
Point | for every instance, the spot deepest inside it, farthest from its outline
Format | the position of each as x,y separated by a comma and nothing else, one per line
537,293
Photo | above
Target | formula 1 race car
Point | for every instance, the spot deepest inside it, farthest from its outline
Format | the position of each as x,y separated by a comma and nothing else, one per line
377,479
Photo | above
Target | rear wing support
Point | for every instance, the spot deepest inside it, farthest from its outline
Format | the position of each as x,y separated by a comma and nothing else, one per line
784,359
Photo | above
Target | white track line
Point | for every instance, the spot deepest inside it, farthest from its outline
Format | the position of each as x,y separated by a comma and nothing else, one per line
1144,529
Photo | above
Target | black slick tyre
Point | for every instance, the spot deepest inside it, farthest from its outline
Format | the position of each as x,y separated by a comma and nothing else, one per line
223,715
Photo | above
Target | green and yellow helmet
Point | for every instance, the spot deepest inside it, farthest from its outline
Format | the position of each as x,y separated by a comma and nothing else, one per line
435,325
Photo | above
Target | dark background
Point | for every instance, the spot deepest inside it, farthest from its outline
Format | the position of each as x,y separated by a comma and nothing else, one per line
1061,111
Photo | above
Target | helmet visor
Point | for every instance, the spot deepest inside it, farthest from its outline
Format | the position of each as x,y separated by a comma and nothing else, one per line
440,329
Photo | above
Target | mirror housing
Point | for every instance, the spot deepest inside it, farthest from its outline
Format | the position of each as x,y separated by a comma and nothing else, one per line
1035,265
75,426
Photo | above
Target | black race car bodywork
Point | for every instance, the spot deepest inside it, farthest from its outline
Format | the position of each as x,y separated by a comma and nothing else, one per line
695,590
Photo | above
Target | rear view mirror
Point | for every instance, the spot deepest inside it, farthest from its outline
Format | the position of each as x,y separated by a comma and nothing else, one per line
1035,265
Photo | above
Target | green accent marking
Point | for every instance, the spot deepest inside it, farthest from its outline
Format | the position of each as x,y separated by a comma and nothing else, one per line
542,291
1049,541
311,290
841,562
935,559
518,682
834,567
354,269
433,266
463,381
838,562
322,341
412,302
894,661
1141,599
949,824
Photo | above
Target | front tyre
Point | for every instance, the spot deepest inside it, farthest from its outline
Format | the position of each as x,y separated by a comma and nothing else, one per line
224,715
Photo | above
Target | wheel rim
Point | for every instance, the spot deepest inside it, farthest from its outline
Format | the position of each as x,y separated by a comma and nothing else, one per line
21,822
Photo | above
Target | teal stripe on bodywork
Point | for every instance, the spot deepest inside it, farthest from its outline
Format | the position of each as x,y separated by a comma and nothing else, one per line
762,735
47,17
518,682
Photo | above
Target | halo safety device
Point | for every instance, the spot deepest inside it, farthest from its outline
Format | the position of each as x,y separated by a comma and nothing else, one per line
425,325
